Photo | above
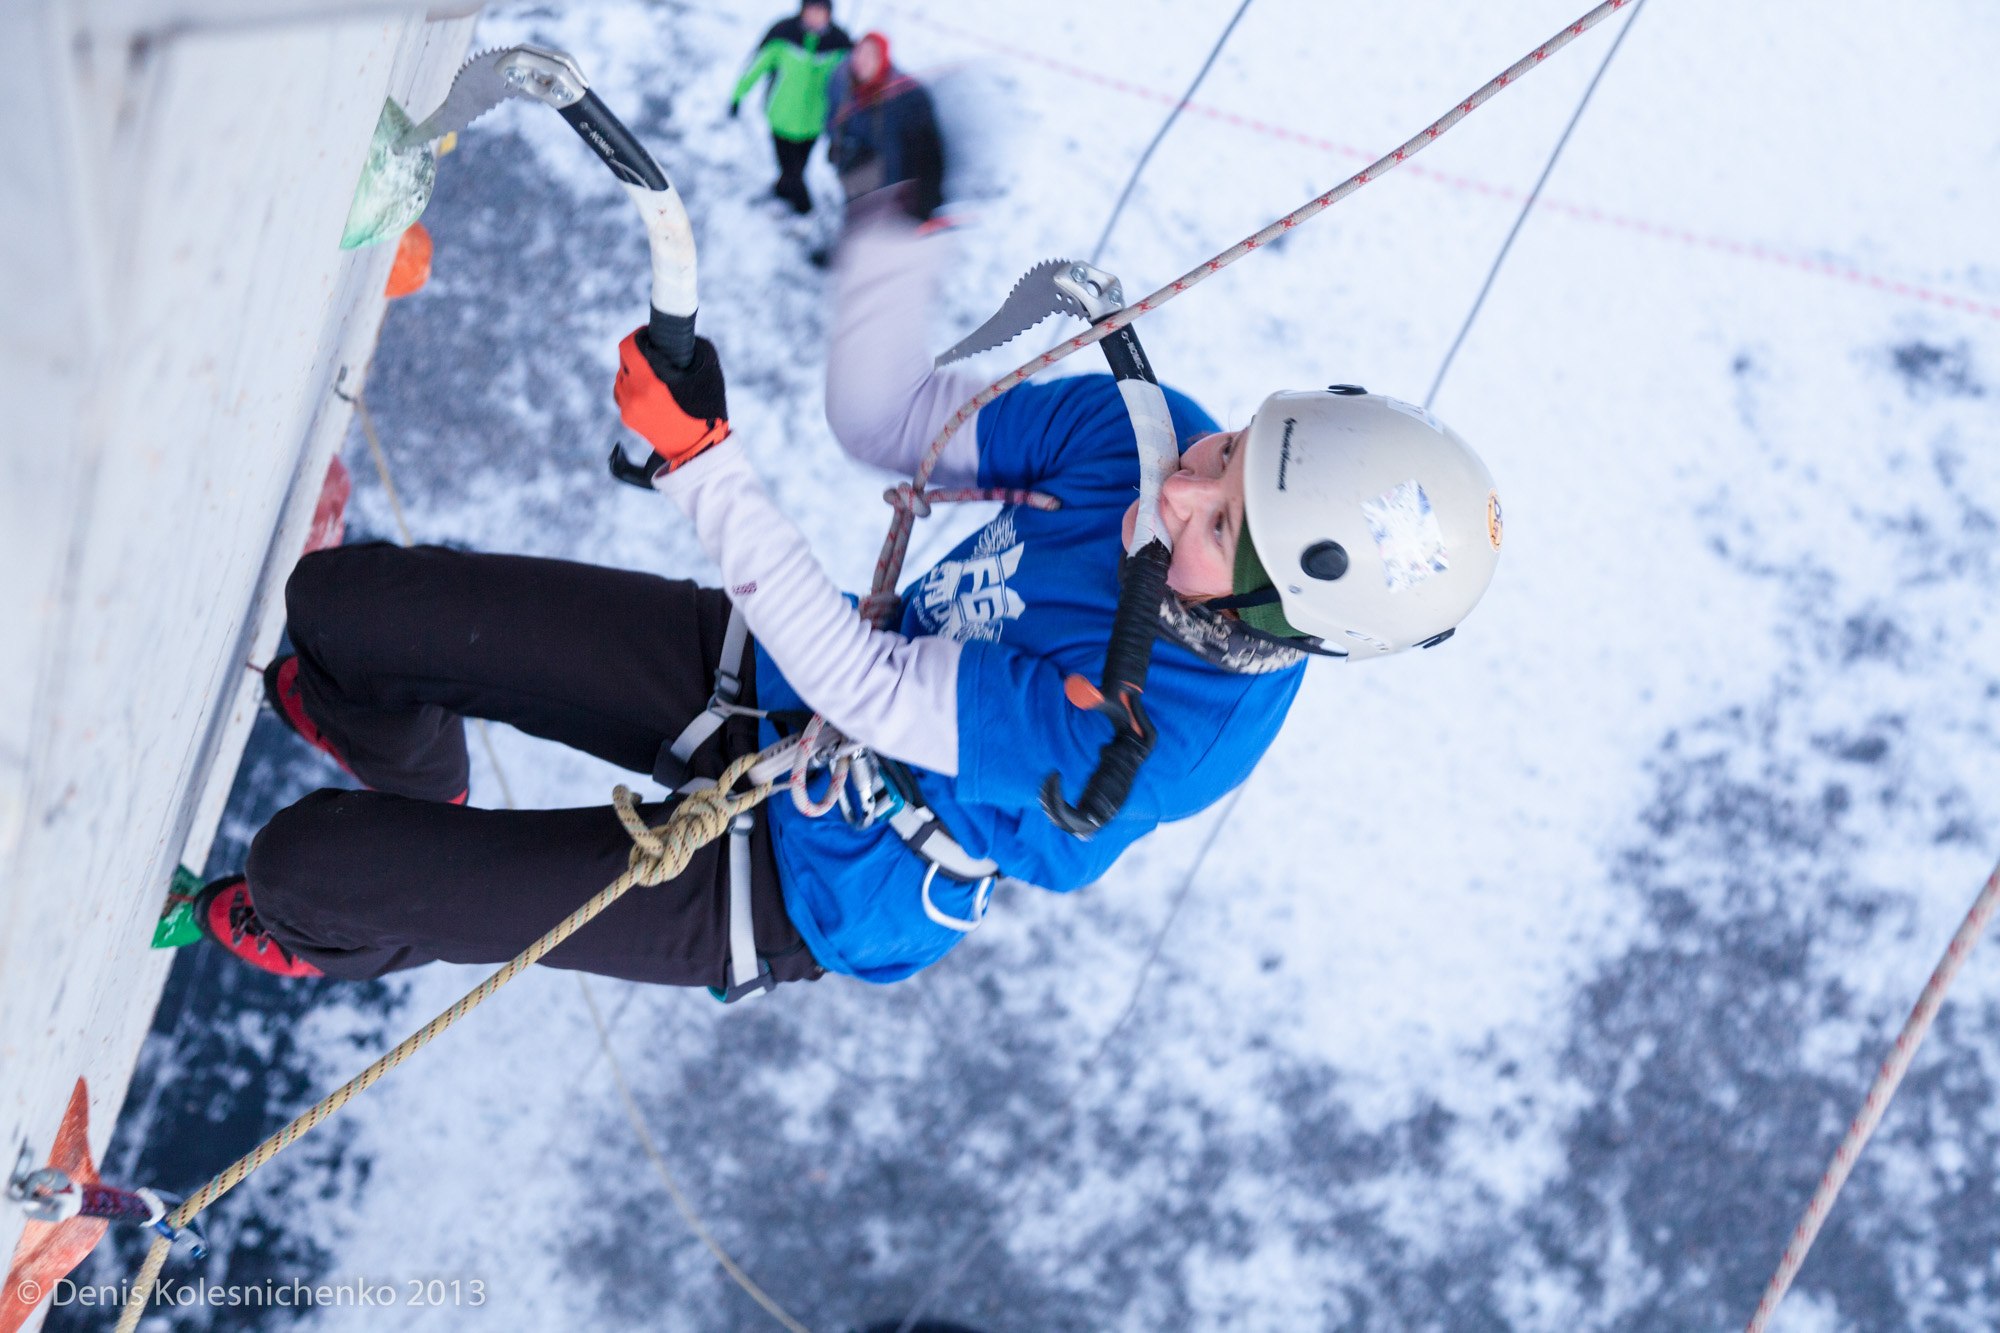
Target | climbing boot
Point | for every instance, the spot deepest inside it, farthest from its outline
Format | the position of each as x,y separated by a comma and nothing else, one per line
225,914
281,692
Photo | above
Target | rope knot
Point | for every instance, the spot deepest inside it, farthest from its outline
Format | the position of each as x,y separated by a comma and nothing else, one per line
881,609
663,851
905,498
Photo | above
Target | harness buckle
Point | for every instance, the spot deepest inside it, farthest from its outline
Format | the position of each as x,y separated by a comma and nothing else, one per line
749,990
982,899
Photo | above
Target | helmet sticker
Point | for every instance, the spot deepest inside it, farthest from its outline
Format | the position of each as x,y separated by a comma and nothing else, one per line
1412,410
1493,523
1407,536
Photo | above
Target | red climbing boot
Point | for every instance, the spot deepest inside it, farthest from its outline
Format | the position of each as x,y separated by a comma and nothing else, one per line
225,914
281,691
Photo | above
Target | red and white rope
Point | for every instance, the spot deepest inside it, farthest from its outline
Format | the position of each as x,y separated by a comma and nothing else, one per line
820,743
1886,1082
889,565
881,606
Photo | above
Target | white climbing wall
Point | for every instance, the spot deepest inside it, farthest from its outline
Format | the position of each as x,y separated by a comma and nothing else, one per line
174,317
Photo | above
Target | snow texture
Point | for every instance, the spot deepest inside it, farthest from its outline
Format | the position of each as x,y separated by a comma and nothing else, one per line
1530,981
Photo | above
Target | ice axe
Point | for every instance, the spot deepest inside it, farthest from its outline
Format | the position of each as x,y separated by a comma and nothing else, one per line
553,78
1070,287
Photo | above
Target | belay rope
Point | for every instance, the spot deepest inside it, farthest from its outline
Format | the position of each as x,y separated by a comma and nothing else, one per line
701,817
658,854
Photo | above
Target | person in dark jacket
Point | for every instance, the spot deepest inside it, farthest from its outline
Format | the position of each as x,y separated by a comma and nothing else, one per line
884,131
798,56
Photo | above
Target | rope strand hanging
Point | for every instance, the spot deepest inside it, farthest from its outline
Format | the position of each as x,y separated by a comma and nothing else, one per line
889,565
1886,1082
658,854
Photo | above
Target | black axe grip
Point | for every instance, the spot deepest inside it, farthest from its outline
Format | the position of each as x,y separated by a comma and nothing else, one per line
1137,621
1126,659
610,140
673,335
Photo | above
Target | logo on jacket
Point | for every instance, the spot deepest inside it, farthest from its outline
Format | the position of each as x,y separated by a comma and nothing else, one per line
969,599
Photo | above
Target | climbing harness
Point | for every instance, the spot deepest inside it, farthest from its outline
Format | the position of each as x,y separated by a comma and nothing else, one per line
670,767
749,976
898,799
703,815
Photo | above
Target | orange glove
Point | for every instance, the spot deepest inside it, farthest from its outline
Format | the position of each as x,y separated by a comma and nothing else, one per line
680,411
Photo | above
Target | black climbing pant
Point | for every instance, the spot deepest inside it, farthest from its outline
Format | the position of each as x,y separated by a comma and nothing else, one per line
791,186
396,648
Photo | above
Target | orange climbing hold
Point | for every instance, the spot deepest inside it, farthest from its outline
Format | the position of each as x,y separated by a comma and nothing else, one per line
412,268
50,1251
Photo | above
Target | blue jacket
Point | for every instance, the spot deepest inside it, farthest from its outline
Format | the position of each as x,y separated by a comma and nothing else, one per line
1031,596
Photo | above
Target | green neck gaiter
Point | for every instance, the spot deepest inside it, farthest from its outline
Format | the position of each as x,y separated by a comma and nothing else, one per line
1250,577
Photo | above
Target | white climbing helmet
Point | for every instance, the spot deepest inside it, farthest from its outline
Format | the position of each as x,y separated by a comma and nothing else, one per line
1378,526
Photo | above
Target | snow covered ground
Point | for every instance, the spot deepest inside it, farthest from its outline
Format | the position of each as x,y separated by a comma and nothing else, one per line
1529,982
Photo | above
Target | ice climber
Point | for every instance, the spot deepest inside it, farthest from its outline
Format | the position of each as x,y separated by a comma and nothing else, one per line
1335,522
798,55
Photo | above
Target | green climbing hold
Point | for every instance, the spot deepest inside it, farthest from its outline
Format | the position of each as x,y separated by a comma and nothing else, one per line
395,184
177,924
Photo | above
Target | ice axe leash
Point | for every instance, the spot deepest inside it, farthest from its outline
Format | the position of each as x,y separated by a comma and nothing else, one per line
1136,622
1071,287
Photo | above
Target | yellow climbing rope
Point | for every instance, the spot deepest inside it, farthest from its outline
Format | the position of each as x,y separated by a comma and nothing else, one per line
658,854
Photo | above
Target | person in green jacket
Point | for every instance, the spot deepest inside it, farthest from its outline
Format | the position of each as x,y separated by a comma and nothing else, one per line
798,55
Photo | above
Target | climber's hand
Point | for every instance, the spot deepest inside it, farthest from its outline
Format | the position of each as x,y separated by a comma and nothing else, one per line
679,410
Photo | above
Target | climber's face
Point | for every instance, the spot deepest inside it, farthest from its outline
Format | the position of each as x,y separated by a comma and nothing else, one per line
1201,509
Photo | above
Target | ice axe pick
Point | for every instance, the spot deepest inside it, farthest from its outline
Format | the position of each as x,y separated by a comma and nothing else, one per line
540,74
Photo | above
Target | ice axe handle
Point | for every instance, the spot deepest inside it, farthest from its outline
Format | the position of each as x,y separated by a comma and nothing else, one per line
609,138
673,335
1126,660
